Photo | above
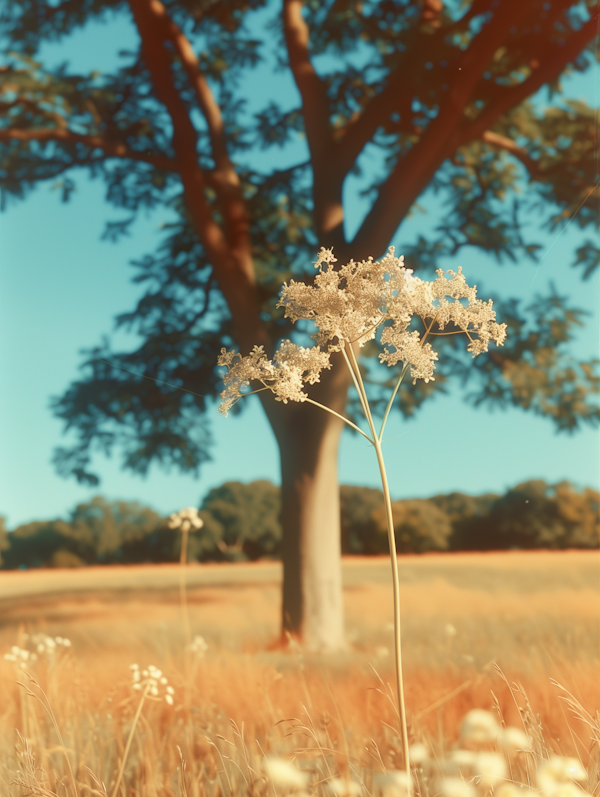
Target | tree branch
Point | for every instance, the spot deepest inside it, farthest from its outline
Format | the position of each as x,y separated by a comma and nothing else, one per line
546,73
412,173
229,255
113,149
315,104
508,145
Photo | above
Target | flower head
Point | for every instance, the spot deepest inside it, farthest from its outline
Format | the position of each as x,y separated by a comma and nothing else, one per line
186,519
283,774
152,682
479,726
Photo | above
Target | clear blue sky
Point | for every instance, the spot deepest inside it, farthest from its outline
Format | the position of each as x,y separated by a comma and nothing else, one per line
60,288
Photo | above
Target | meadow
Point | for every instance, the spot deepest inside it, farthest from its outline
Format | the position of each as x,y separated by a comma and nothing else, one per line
504,632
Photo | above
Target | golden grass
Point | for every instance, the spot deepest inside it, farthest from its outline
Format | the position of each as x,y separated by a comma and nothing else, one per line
536,615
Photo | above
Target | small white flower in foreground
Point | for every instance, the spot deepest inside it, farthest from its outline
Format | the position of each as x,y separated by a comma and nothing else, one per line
557,772
283,774
513,739
456,787
479,726
186,519
198,646
340,787
152,683
394,783
491,768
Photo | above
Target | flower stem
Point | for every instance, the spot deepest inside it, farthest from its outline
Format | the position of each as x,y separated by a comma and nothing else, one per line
129,740
395,574
341,417
391,401
182,584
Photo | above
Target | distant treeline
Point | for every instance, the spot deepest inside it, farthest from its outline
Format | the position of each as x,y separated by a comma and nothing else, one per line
241,522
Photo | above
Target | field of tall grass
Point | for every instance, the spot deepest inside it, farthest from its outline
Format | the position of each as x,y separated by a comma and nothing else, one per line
514,634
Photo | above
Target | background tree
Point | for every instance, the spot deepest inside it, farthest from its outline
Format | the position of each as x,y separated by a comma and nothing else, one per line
438,90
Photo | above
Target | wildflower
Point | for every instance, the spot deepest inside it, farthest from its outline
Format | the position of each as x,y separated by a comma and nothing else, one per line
479,726
394,783
283,774
510,790
20,656
186,519
340,787
348,305
152,682
491,768
556,773
198,646
291,366
450,630
513,739
419,753
456,787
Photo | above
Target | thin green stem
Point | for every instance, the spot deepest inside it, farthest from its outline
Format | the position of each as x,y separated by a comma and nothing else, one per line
395,577
129,740
341,417
391,401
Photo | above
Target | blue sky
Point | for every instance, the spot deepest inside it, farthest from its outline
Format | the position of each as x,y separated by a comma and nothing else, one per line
60,288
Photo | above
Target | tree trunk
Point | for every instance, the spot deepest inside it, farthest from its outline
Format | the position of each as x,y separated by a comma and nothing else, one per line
308,438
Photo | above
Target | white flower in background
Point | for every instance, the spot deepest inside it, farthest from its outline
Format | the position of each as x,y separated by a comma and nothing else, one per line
480,727
462,760
450,630
456,787
394,783
38,646
152,683
20,656
283,774
340,787
511,790
556,773
186,519
419,753
513,739
198,646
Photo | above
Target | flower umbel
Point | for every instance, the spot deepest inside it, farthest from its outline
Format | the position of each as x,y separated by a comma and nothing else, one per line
186,519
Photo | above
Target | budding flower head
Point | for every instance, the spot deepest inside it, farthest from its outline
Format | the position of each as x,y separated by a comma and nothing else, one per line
186,519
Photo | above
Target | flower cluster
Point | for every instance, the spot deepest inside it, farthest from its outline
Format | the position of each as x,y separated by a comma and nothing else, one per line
198,646
186,519
284,375
348,305
37,646
152,682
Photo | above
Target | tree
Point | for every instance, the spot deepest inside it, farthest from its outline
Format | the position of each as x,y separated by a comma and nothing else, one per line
441,92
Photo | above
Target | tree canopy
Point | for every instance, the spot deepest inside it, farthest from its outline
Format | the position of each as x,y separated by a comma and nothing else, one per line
441,94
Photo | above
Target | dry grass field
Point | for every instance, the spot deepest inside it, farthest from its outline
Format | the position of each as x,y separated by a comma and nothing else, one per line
536,616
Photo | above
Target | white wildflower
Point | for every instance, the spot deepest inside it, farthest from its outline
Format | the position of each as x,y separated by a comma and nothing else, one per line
479,726
395,783
513,739
558,771
152,682
456,787
283,774
491,768
418,753
186,519
198,646
285,375
450,630
341,787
